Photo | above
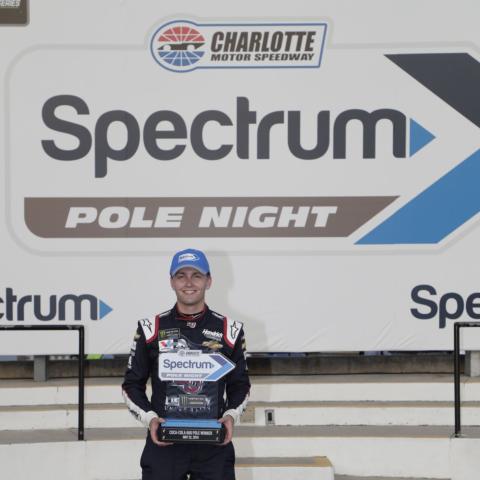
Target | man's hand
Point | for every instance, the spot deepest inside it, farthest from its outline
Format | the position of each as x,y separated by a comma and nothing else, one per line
227,421
154,424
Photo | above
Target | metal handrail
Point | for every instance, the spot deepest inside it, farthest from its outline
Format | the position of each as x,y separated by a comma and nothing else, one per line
81,357
456,370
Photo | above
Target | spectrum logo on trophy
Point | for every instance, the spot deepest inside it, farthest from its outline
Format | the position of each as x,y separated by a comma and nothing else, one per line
192,393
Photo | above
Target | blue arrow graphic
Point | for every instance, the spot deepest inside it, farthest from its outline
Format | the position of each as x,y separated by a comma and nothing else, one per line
419,137
226,366
104,309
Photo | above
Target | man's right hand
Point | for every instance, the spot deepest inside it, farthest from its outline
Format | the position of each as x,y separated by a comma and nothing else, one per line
153,427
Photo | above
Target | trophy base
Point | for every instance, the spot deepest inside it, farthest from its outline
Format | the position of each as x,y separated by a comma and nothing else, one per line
191,431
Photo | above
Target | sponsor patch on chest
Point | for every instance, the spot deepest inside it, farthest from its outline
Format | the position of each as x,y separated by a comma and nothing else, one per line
212,334
167,344
212,345
173,333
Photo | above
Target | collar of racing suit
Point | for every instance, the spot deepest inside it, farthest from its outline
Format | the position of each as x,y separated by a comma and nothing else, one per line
193,317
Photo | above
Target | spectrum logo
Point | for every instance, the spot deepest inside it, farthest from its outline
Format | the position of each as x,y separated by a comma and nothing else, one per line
67,307
183,46
331,131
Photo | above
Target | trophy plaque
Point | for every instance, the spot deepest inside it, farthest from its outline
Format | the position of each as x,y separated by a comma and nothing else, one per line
191,431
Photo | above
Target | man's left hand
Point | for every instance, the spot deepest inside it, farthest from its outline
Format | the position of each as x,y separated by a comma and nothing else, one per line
227,421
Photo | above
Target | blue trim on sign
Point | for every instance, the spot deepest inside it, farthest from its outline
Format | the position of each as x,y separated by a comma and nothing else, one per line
226,366
419,137
192,423
436,212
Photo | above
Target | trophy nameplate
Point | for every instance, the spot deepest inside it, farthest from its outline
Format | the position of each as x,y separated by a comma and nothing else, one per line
191,431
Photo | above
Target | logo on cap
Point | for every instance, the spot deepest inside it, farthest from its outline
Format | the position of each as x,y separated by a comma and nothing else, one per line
188,257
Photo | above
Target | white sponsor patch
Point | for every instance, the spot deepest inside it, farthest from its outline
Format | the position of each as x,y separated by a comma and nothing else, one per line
148,326
212,334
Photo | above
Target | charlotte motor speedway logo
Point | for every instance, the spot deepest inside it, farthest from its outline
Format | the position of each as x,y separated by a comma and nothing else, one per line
183,45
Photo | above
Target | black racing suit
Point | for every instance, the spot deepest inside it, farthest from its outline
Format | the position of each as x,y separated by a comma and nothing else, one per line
169,332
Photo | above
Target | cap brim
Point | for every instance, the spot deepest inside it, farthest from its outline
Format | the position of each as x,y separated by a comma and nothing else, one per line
188,265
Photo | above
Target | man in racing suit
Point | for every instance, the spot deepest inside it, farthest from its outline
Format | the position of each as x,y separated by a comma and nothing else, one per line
189,325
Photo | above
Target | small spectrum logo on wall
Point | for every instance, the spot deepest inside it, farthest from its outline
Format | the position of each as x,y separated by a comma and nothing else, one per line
65,307
183,45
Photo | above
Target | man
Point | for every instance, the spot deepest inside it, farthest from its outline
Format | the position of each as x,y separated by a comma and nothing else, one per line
190,324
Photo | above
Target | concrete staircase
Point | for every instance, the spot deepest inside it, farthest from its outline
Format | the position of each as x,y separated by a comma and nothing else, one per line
305,427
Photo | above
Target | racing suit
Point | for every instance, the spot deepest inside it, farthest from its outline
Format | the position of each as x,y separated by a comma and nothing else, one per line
167,332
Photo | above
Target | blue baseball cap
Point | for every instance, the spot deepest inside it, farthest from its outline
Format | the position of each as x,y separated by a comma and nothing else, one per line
189,258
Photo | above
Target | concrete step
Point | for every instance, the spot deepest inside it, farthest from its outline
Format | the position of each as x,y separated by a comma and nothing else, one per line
314,468
360,413
282,413
402,451
59,392
286,468
43,417
113,454
308,388
349,477
346,363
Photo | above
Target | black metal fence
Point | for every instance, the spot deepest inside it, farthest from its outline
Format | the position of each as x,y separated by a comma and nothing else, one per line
456,370
81,365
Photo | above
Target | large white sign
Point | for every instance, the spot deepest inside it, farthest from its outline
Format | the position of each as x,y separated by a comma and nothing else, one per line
327,167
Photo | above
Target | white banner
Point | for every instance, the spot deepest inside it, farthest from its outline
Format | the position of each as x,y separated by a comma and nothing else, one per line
325,160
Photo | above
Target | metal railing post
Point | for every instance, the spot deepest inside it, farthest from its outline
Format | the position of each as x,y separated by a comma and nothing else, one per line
81,382
456,376
81,363
456,371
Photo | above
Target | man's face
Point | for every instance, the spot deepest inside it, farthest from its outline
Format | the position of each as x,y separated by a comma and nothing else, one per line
190,286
